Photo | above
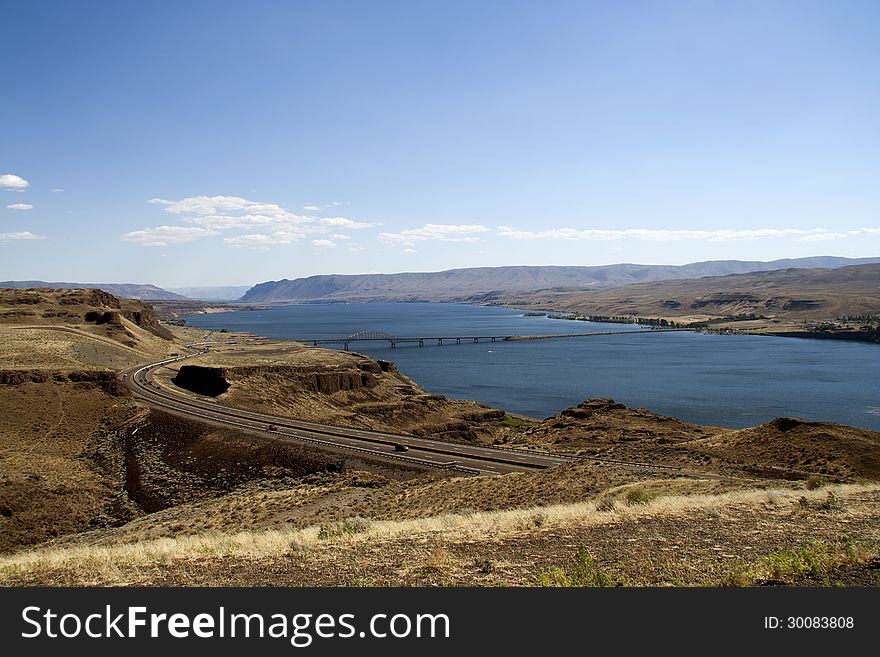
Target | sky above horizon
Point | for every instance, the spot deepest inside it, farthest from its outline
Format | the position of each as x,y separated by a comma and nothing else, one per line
207,143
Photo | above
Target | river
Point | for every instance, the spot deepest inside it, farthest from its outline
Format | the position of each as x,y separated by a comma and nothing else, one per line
724,380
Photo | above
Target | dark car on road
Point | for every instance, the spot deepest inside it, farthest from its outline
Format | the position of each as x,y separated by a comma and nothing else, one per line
400,447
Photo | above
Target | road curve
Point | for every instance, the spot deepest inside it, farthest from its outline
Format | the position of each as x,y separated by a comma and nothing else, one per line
422,451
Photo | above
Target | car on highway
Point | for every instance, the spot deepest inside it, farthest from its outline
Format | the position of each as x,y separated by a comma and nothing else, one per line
400,447
273,427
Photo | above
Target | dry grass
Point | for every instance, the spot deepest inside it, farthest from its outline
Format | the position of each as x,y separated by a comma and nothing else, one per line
105,560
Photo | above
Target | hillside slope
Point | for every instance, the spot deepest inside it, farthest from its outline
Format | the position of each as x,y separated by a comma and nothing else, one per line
789,293
125,290
455,283
60,351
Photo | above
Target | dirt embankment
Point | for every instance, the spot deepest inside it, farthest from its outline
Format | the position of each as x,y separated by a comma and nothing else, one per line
75,459
106,380
784,448
333,387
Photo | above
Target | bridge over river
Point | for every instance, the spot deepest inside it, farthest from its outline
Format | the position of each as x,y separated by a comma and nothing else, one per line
380,336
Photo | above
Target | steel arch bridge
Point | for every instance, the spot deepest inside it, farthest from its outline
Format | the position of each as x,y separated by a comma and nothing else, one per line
371,335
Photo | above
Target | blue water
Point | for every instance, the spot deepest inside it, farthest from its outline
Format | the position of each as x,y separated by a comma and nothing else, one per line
733,381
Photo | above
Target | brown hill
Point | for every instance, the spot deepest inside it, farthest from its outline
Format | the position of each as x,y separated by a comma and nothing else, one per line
799,447
60,351
790,293
596,424
70,329
784,448
332,387
124,290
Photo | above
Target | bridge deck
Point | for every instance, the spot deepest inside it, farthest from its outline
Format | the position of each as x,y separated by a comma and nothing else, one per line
376,337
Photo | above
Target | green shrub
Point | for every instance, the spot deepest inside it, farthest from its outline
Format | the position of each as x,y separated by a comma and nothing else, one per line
584,573
637,496
485,565
516,423
815,560
814,482
347,527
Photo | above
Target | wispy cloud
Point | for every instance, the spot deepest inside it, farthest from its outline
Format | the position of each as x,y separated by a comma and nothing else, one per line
342,222
165,235
314,207
266,224
56,190
20,206
263,240
652,235
21,235
438,232
324,244
13,182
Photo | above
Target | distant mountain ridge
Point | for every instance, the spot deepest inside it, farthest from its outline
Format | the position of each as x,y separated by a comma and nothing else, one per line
457,283
125,290
212,293
793,293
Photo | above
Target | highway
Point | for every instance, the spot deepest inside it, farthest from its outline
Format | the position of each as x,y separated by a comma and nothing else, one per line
467,459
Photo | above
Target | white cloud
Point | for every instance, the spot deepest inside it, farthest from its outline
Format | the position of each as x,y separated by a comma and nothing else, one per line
409,250
56,190
821,237
20,206
340,236
21,235
250,241
227,206
342,222
356,248
324,244
11,181
263,240
652,235
314,207
276,224
165,235
438,232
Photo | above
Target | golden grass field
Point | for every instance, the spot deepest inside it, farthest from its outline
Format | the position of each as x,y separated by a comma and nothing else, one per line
510,547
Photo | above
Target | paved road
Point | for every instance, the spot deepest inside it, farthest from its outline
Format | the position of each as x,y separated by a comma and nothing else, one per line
422,451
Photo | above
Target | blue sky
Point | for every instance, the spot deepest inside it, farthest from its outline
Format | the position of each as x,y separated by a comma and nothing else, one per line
214,143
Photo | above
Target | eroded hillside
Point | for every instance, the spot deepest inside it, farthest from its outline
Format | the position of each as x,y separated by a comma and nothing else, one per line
794,294
332,387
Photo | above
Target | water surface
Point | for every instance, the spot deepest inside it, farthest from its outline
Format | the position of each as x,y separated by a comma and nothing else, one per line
733,381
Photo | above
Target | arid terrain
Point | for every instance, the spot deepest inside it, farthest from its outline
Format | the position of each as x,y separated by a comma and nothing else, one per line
470,283
788,294
97,489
